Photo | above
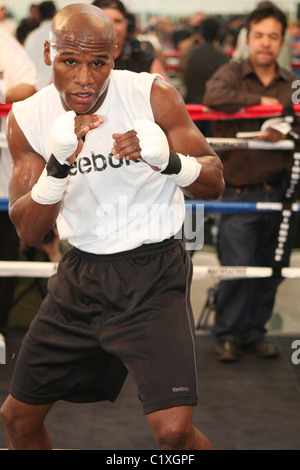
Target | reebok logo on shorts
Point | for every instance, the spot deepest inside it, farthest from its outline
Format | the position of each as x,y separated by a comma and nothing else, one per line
180,389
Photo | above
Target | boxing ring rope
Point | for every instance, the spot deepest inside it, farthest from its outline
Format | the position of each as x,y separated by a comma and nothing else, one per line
39,269
46,269
200,112
32,269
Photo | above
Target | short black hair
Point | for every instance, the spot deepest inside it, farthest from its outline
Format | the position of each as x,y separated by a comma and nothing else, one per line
47,10
209,28
116,4
266,10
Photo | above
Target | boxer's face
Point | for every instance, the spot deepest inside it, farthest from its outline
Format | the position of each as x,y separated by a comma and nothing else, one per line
81,68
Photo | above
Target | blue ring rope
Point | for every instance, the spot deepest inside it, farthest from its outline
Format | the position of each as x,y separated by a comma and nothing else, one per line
216,206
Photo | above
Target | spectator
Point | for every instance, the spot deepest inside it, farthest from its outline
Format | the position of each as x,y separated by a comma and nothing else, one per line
195,36
34,43
34,13
285,55
129,52
164,29
7,22
24,28
199,63
182,31
28,24
245,306
294,32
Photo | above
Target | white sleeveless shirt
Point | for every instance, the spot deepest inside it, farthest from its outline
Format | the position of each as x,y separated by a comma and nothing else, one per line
109,205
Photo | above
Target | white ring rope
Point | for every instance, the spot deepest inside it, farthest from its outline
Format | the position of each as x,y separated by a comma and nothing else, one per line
241,272
46,269
224,143
231,207
36,269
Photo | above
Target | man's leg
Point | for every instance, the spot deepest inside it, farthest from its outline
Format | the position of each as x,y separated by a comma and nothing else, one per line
24,425
237,247
174,429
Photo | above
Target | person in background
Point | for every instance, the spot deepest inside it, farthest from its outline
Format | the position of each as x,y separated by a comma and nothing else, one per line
34,13
29,23
194,37
249,239
285,55
34,43
148,39
129,55
7,21
199,63
294,32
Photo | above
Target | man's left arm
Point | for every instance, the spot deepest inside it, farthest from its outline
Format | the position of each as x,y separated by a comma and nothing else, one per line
184,138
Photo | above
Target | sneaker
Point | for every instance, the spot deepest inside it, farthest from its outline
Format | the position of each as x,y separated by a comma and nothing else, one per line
227,351
262,348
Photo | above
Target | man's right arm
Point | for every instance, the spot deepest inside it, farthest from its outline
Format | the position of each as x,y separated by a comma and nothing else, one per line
36,189
32,220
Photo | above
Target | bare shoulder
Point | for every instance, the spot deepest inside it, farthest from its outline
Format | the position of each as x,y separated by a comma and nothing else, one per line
166,103
27,164
17,142
171,114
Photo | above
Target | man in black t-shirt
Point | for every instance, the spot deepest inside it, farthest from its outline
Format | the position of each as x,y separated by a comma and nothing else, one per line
131,54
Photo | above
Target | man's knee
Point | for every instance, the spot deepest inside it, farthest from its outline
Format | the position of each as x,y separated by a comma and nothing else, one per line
173,428
175,437
21,421
6,414
13,420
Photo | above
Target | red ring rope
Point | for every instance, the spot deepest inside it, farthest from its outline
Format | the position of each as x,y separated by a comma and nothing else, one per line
200,112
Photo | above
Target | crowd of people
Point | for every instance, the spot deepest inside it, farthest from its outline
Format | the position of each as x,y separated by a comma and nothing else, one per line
223,66
159,34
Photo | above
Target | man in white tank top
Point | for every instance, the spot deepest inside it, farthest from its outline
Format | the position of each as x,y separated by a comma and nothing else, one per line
96,152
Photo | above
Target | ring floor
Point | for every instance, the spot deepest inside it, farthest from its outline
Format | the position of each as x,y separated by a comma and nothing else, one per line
253,404
250,405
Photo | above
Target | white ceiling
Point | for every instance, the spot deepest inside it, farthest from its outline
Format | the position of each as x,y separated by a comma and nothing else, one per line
172,8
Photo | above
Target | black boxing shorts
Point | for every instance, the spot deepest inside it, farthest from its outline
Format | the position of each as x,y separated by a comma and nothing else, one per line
105,316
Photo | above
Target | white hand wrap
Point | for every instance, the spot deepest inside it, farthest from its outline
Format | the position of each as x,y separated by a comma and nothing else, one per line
153,143
155,150
48,190
190,170
63,140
